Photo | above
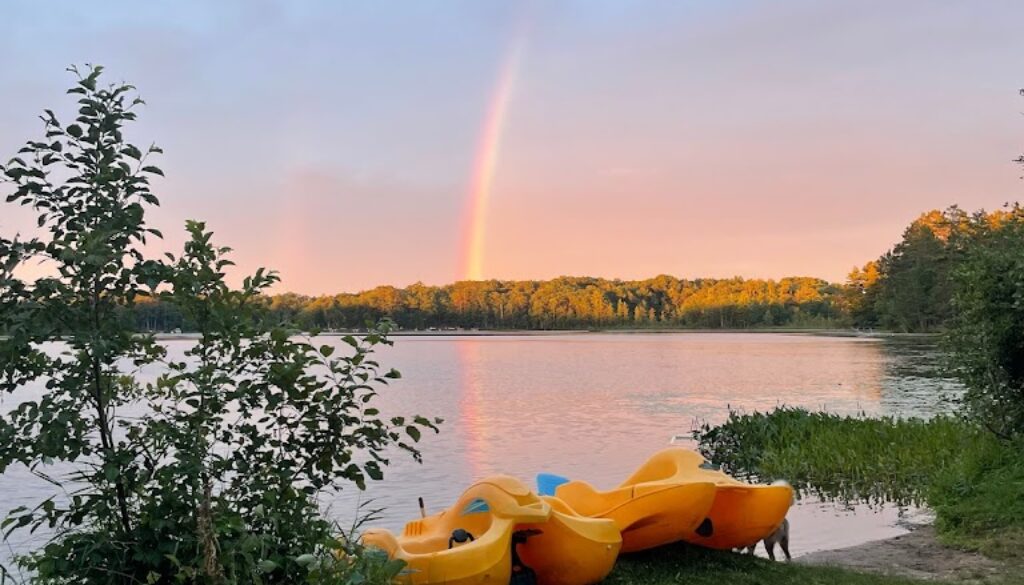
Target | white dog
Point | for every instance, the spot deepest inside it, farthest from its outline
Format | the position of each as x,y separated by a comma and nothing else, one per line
779,537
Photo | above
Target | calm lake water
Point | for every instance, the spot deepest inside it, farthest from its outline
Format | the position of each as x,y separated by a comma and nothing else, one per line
594,406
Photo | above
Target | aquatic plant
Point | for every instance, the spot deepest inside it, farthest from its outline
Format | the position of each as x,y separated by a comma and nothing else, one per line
846,458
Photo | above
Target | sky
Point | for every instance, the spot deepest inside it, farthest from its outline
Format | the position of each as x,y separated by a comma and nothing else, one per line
354,144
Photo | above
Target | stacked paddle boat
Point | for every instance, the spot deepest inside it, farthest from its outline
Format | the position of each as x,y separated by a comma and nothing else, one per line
499,531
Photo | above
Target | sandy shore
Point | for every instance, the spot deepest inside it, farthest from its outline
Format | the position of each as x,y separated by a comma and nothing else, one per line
917,554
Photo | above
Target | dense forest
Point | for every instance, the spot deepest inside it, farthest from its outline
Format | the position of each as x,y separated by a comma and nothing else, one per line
907,289
561,303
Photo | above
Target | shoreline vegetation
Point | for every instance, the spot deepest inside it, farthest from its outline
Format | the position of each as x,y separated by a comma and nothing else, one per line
968,477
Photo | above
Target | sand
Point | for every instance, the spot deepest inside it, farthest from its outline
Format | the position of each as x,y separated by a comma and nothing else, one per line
917,554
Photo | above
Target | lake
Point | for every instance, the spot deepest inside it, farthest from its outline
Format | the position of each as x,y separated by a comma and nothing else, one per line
593,406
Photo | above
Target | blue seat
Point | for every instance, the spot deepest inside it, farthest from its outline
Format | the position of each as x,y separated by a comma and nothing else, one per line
548,482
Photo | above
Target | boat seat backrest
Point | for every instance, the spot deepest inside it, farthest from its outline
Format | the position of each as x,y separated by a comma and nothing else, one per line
670,464
587,501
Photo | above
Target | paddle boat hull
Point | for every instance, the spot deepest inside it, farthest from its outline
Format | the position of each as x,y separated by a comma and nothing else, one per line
468,544
676,495
472,542
571,549
742,514
647,514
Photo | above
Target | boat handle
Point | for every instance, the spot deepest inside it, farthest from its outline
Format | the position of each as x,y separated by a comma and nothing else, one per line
460,536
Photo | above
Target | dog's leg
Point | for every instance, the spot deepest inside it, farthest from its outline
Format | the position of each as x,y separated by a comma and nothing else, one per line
750,549
784,544
770,547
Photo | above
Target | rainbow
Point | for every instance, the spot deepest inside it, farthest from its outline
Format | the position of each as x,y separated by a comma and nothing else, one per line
485,163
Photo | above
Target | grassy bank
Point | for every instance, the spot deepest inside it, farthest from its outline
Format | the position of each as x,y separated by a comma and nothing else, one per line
696,566
973,482
979,503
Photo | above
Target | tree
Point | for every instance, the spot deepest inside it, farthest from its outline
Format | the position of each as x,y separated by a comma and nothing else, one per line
986,338
252,430
622,310
210,473
859,295
912,290
95,231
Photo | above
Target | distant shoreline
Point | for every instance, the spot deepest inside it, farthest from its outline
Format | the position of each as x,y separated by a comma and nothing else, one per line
562,332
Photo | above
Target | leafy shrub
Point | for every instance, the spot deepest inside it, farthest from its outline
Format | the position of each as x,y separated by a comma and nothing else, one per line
211,473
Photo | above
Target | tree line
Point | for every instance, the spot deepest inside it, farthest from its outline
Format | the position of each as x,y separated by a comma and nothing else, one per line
560,303
907,289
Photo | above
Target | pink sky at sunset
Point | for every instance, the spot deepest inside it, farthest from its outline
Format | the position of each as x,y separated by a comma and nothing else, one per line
336,143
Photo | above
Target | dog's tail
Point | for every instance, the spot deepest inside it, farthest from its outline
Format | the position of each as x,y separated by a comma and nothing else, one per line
787,484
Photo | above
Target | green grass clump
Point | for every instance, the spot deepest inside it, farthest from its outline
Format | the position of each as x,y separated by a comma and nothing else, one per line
680,563
979,503
840,457
973,481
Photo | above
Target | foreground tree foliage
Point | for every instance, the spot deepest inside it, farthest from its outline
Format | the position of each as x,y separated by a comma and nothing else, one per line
986,339
210,473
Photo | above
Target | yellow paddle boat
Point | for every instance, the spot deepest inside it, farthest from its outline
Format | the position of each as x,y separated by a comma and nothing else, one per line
571,549
499,528
649,512
742,514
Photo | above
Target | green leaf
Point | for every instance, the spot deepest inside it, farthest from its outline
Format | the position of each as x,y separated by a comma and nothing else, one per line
393,567
413,432
373,470
305,560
